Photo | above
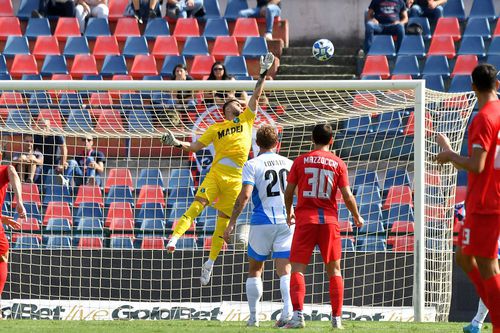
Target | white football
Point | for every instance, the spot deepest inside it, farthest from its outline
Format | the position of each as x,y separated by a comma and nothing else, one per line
323,49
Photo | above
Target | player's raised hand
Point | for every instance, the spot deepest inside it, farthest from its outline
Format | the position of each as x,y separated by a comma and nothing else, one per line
359,222
8,220
266,61
227,233
443,142
169,139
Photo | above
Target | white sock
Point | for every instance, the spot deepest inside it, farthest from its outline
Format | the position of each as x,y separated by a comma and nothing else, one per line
482,312
173,240
297,315
254,293
209,263
285,295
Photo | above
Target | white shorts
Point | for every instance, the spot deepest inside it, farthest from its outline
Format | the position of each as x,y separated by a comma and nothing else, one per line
266,238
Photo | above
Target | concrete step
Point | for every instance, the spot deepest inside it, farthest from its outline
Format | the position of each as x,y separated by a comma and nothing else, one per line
315,77
307,51
316,69
310,60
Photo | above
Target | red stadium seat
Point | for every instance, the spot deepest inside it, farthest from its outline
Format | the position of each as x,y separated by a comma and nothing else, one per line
398,195
83,64
100,98
448,26
403,226
66,27
401,77
364,100
11,98
464,65
119,210
164,46
442,45
90,243
110,121
118,177
6,8
9,26
143,65
105,45
153,243
120,224
126,27
46,45
117,8
245,27
410,126
150,194
202,65
122,77
28,224
87,193
186,27
460,194
403,243
57,210
23,64
376,65
225,46
345,226
30,193
61,77
53,116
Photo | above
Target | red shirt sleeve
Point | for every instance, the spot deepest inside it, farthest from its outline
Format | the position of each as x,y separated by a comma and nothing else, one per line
343,176
4,175
293,176
482,133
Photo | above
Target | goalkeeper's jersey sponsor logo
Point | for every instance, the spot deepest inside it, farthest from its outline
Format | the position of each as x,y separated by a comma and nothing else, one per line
229,131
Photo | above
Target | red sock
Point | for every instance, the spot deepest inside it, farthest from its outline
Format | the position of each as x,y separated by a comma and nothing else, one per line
336,295
492,289
297,291
478,282
4,268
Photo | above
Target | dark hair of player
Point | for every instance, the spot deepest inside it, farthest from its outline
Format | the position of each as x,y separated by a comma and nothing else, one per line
229,101
484,77
322,134
266,137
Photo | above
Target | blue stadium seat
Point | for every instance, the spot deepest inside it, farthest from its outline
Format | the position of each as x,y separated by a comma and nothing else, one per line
371,212
460,83
180,178
54,191
150,176
215,27
58,225
366,178
119,194
494,60
207,219
3,68
236,65
398,213
494,48
347,244
156,27
79,120
382,45
140,120
478,27
88,210
153,225
54,64
195,46
372,227
91,77
212,9
396,177
26,8
113,65
76,45
472,45
462,178
132,99
39,100
254,47
173,215
406,64
186,243
4,76
371,77
389,122
436,65
412,45
135,45
68,101
483,9
368,194
359,125
370,244
18,119
344,213
16,45
150,210
169,64
121,243
434,82
31,77
233,8
37,27
424,22
27,242
90,224
32,211
454,8
97,27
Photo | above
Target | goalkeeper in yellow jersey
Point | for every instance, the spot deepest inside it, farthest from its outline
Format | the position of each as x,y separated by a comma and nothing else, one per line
232,140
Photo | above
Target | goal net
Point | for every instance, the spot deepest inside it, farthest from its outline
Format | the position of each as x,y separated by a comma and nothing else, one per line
107,196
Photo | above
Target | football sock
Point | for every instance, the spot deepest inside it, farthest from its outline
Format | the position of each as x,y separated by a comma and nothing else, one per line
285,295
492,289
187,218
478,282
336,295
254,293
217,240
297,290
209,263
3,275
482,312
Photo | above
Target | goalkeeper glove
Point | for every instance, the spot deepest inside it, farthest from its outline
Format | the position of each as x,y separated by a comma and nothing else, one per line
265,63
169,139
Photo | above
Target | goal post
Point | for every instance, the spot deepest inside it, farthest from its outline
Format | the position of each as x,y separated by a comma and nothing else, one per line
384,131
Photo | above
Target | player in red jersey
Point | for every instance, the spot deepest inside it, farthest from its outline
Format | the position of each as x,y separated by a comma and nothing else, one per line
478,250
316,177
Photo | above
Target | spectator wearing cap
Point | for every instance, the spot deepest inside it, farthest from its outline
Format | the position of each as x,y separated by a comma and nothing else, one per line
87,167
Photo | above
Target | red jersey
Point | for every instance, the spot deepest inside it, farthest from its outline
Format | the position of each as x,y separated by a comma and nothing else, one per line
483,189
317,174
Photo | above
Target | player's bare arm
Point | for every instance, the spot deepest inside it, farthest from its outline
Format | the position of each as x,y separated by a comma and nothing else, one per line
239,205
350,203
475,163
169,139
265,64
289,192
15,182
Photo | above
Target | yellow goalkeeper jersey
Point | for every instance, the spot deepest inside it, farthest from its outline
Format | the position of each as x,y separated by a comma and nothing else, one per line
232,139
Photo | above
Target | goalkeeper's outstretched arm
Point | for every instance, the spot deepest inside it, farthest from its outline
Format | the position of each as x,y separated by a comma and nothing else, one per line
265,64
169,139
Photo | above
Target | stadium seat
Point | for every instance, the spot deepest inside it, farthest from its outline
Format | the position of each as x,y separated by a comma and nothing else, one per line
233,8
3,70
4,76
89,243
376,65
151,211
398,213
150,176
110,121
27,241
215,27
462,178
371,212
120,224
16,45
79,121
66,27
18,119
56,210
100,99
23,64
245,27
9,27
46,45
135,45
398,195
472,45
143,65
169,64
436,65
483,9
150,194
434,82
382,45
53,116
368,194
97,27
88,193
347,245
460,193
371,227
54,191
236,66
140,120
40,99
412,45
406,65
186,27
454,8
6,8
11,98
54,64
131,100
494,48
389,122
76,45
366,178
153,243
424,23
396,176
460,83
117,8
58,224
370,244
447,27
90,225
212,9
27,225
30,193
126,27
403,244
26,7
83,64
195,46
202,65
225,46
442,45
121,243
37,27
358,125
104,46
189,242
165,46
154,225
118,177
88,210
254,47
112,65
32,211
119,194
464,65
155,28
478,27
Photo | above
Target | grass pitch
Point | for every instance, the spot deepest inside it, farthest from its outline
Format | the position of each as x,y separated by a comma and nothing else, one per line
185,326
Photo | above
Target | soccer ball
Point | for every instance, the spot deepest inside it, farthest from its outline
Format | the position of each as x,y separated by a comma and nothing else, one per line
322,49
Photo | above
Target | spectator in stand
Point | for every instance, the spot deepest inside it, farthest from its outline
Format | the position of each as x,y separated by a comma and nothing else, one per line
265,8
143,10
183,8
432,9
386,17
28,162
87,168
182,97
58,8
94,8
218,72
